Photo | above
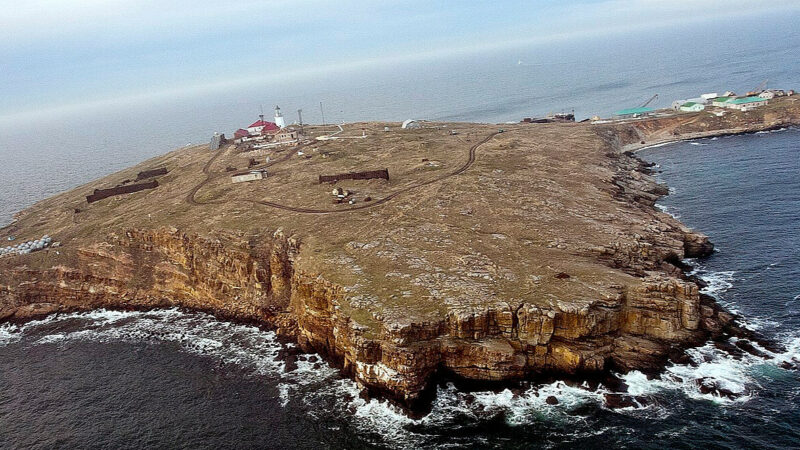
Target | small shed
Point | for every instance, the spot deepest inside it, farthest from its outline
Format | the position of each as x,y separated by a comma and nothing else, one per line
250,175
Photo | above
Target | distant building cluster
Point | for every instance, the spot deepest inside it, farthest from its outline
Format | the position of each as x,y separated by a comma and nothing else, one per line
263,131
727,100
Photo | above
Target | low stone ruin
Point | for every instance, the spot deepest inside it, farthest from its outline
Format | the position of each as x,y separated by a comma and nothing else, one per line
370,174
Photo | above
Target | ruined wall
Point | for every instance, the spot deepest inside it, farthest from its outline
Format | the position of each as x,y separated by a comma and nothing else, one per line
367,175
100,194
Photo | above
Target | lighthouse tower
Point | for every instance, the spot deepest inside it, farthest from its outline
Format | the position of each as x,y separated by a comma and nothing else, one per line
279,117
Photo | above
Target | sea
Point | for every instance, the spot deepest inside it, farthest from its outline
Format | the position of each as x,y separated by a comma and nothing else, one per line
178,379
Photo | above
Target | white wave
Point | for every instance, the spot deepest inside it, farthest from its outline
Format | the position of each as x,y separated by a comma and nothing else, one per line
283,393
662,144
711,365
771,131
697,143
718,282
313,382
9,333
667,210
742,376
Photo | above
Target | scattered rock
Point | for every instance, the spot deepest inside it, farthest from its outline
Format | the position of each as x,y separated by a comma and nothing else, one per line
617,401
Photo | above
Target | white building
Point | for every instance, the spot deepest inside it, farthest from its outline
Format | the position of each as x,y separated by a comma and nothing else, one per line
700,100
710,95
279,121
676,105
767,95
256,127
252,175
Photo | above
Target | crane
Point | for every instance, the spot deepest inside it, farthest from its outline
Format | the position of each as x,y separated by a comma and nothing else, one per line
649,101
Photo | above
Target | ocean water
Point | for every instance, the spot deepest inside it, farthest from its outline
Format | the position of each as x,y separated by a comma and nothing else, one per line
177,379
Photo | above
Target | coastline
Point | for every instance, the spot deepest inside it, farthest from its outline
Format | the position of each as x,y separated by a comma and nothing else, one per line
635,148
271,277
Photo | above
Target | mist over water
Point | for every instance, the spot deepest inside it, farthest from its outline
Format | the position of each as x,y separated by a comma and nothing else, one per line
169,378
46,153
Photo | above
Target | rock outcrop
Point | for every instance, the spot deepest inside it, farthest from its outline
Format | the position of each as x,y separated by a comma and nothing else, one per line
258,280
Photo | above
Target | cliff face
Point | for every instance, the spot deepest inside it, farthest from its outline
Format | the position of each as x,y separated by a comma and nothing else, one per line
258,280
535,250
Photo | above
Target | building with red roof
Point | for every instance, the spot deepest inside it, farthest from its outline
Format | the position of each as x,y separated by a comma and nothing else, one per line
259,125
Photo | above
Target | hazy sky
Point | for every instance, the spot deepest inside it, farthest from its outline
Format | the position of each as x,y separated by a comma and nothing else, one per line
58,52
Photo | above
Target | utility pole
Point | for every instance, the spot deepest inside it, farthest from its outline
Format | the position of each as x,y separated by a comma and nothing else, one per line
323,113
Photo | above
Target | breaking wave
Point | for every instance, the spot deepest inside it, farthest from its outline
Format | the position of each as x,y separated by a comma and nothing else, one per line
713,375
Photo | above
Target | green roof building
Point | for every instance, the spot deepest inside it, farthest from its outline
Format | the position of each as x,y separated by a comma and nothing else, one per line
692,107
630,112
746,100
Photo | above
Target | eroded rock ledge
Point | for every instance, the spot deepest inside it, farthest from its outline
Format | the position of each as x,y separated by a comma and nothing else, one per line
259,281
547,255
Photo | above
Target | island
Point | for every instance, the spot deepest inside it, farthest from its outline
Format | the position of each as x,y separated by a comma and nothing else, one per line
471,251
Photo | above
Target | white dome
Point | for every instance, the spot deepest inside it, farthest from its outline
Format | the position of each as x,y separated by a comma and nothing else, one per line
411,123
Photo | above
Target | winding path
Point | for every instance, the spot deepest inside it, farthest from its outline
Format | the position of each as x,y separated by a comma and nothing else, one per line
190,198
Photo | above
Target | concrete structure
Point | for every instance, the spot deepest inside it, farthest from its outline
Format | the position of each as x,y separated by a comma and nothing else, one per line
279,121
252,175
410,124
286,135
692,107
634,112
217,141
710,95
767,95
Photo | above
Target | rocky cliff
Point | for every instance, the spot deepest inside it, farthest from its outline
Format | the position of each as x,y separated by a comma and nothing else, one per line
257,280
543,254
